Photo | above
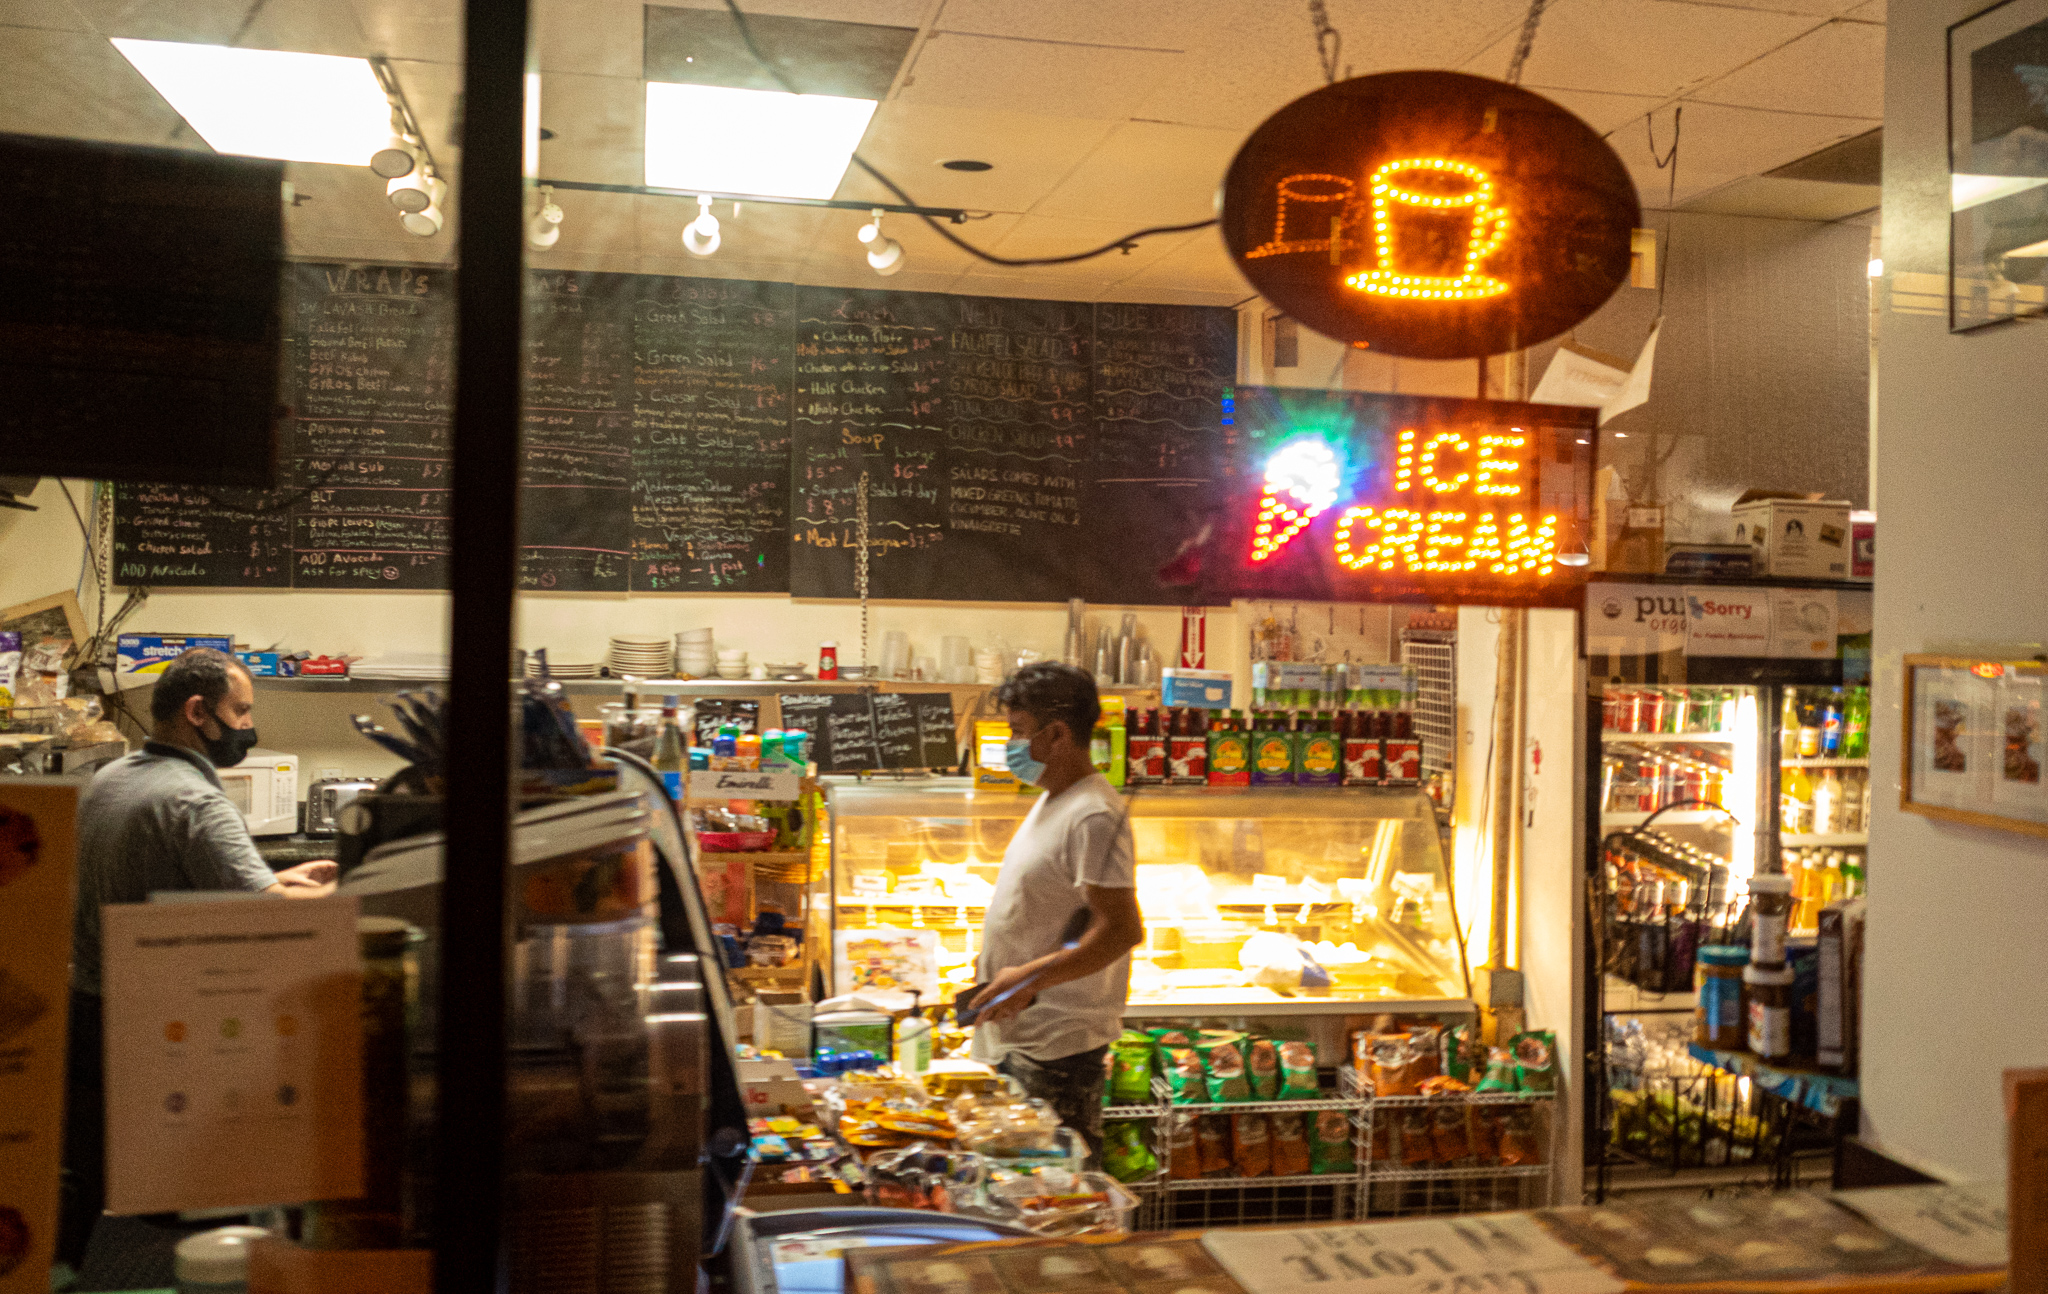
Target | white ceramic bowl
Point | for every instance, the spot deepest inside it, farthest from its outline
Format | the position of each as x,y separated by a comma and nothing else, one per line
731,671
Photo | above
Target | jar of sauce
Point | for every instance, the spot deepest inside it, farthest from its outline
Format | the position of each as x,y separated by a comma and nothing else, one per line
1718,1018
1769,990
1770,911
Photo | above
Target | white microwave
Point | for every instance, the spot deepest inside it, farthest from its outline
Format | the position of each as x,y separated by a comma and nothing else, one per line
265,787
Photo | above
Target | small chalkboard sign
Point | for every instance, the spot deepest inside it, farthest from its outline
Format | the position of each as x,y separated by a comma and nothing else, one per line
936,730
897,734
806,713
849,741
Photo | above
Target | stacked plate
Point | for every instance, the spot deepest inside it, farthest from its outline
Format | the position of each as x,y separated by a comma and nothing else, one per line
640,658
565,669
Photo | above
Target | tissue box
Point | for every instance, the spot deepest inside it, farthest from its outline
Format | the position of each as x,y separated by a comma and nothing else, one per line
138,658
1796,538
1202,689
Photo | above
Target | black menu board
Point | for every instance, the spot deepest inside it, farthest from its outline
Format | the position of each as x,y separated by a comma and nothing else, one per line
852,732
174,535
370,365
936,729
711,369
576,476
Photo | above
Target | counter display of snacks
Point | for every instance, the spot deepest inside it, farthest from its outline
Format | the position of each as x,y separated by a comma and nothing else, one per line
1278,901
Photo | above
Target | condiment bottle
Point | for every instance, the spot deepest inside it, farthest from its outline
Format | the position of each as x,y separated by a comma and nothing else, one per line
828,662
1770,911
671,753
1769,990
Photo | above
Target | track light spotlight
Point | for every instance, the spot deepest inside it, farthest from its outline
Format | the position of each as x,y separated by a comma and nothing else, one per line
885,254
426,220
411,191
700,236
545,229
395,159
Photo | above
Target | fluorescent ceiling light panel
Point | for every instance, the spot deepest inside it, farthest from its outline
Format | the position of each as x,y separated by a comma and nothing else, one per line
1966,191
268,102
711,139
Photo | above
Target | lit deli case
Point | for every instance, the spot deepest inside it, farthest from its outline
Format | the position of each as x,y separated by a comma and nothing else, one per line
1235,886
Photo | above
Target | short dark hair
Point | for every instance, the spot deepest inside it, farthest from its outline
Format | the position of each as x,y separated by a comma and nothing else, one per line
1051,692
202,672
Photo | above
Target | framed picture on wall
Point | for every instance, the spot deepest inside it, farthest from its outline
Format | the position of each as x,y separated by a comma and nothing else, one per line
1998,165
1975,746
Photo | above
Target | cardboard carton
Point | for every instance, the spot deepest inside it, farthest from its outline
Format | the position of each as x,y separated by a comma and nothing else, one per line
1796,536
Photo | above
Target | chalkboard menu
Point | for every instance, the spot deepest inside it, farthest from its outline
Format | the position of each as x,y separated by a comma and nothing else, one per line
852,732
1013,450
697,435
710,376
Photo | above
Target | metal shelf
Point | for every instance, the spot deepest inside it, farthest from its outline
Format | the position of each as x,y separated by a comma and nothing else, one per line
1132,1112
1651,738
1303,1106
1825,838
1827,761
1221,1006
1677,818
1480,1172
1233,1183
1465,1098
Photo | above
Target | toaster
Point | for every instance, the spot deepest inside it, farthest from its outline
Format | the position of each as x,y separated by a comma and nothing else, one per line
326,798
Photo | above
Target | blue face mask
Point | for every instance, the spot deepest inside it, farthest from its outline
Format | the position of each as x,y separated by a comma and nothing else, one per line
1017,754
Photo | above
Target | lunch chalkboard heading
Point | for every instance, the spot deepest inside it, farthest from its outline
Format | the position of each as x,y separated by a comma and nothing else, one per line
703,435
855,732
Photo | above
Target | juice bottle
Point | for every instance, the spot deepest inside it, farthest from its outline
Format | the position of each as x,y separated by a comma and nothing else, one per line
1188,749
1856,724
1809,730
1272,751
1788,728
1230,753
1795,801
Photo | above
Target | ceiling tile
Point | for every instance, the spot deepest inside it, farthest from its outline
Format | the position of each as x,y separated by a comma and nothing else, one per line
885,13
1199,263
599,124
1782,199
1874,11
1837,68
833,245
1603,112
1148,173
307,26
1654,47
55,15
77,85
1719,144
1031,153
427,30
597,37
1087,22
1811,8
1047,236
1033,76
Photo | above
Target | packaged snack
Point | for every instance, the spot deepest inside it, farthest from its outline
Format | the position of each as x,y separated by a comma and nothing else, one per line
1443,1085
1453,1141
1223,1058
1418,1137
1382,1148
1298,1071
1212,1136
1461,1049
1184,1153
1174,1037
1130,1071
1485,1134
1500,1071
1290,1145
1184,1078
1361,1052
1329,1142
1536,1061
1251,1145
1518,1143
1389,1053
1125,1156
1425,1053
1262,1060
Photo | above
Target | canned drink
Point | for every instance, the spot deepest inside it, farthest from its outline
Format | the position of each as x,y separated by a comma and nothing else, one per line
1654,705
1611,706
1674,710
1702,709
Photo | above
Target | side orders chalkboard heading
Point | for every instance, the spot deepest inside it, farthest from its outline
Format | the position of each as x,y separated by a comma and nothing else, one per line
1430,214
1354,496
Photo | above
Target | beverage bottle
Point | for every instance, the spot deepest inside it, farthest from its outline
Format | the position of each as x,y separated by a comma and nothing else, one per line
1827,804
1809,730
1852,876
1361,750
1322,754
671,753
1856,725
1831,725
1855,799
747,750
1795,802
1788,728
1188,749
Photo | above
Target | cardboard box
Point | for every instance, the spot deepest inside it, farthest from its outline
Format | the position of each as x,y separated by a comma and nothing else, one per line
1204,689
1795,538
1841,984
1862,545
1712,561
261,664
139,658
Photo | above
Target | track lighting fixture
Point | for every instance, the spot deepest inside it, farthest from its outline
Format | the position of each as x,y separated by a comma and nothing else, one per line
885,254
700,236
399,156
425,220
410,192
545,229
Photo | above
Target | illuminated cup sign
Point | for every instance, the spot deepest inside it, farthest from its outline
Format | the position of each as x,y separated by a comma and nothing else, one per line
1430,214
1346,495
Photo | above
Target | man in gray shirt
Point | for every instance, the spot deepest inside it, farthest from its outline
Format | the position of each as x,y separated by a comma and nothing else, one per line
154,820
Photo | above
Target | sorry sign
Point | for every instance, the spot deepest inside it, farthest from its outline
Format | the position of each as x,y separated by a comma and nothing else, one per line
1358,496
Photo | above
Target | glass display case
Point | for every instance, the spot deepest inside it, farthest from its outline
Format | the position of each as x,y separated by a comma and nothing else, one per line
1355,878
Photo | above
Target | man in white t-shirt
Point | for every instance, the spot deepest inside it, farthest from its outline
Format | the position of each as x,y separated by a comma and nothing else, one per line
1071,855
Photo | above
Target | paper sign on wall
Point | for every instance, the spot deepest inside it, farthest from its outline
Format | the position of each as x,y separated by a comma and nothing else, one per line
36,852
1803,624
234,1053
1728,622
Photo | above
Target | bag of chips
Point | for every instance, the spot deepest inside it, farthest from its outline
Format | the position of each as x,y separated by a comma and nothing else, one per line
1251,1145
1418,1138
1390,1065
1425,1053
1485,1133
1290,1146
1500,1072
1382,1149
1184,1078
1262,1060
1298,1071
1461,1049
1212,1135
1171,1037
1329,1142
1223,1058
1536,1061
1130,1071
1184,1153
1518,1137
1453,1142
1125,1156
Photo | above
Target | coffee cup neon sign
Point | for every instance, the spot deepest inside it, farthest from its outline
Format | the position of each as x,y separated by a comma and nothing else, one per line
1392,201
1451,509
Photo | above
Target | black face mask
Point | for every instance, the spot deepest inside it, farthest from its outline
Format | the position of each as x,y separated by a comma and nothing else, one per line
233,744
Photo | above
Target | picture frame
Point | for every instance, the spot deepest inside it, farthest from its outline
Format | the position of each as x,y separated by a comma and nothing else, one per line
1998,165
1975,745
56,616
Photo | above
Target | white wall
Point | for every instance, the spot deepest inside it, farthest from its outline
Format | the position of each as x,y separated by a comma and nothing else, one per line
1956,987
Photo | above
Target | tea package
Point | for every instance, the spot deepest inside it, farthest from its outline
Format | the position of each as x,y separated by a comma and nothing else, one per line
1329,1142
1462,1051
1263,1060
